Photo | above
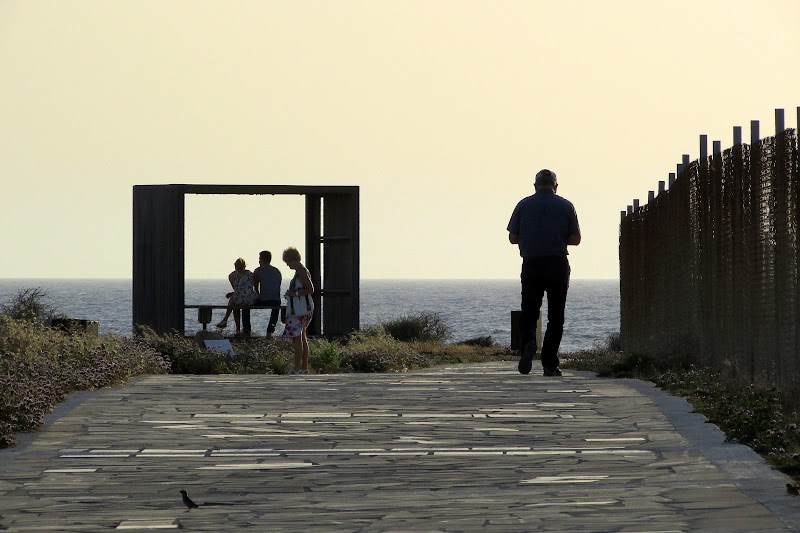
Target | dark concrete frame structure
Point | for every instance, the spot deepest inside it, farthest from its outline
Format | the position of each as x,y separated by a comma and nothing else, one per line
158,252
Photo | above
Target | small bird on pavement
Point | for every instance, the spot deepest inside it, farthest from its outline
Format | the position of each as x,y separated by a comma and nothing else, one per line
792,489
187,501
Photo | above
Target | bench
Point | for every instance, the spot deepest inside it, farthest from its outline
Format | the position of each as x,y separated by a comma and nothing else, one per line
204,311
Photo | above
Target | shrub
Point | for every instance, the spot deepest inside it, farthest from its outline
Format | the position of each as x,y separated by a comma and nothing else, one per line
261,356
376,351
625,365
485,342
29,304
437,353
614,342
419,327
185,356
324,356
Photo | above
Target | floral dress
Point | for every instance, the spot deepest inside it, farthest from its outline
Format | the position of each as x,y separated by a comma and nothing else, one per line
295,325
243,292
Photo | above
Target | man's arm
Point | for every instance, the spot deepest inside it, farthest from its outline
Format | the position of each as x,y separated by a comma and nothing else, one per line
513,238
574,238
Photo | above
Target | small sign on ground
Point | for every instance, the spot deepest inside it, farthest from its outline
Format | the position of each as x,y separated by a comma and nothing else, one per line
223,346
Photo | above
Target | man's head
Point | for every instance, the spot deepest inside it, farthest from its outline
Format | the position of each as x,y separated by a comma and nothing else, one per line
545,179
265,257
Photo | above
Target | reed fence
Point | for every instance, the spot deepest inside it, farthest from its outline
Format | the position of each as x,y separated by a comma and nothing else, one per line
710,266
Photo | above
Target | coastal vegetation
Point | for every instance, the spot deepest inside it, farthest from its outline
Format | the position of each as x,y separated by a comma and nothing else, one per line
40,365
418,327
764,418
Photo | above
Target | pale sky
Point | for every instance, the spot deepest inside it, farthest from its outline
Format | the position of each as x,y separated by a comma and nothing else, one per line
442,111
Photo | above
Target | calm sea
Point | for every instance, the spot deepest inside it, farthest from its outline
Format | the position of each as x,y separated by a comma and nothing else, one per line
471,308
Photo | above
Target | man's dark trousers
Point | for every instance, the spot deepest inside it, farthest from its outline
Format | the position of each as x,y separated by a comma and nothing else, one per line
273,317
542,275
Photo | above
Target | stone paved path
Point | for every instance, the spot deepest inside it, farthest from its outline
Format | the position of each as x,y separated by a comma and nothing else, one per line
461,448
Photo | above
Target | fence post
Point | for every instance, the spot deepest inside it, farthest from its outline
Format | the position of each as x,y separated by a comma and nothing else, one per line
661,186
737,135
717,148
779,122
757,342
672,178
636,204
630,209
621,217
754,134
650,196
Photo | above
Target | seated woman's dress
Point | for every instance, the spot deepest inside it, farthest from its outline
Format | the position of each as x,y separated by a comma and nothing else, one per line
243,292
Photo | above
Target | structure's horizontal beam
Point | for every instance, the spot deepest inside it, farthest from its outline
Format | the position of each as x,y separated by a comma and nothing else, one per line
335,292
269,189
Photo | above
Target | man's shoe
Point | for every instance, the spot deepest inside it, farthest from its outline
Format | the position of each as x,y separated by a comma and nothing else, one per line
526,359
552,371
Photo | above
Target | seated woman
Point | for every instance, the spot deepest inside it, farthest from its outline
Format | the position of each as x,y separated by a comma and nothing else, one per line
243,293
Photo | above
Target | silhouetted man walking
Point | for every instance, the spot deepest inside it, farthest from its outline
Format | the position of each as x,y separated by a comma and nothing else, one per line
543,225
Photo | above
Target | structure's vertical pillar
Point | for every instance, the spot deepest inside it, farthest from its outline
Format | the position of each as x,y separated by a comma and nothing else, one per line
312,257
355,259
341,263
158,252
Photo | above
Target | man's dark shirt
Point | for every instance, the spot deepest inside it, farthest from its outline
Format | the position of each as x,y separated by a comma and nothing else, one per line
544,221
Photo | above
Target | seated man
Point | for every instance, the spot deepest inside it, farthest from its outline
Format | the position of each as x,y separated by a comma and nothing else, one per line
267,284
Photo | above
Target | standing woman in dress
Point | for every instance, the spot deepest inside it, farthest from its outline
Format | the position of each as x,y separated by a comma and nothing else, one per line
243,293
299,309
